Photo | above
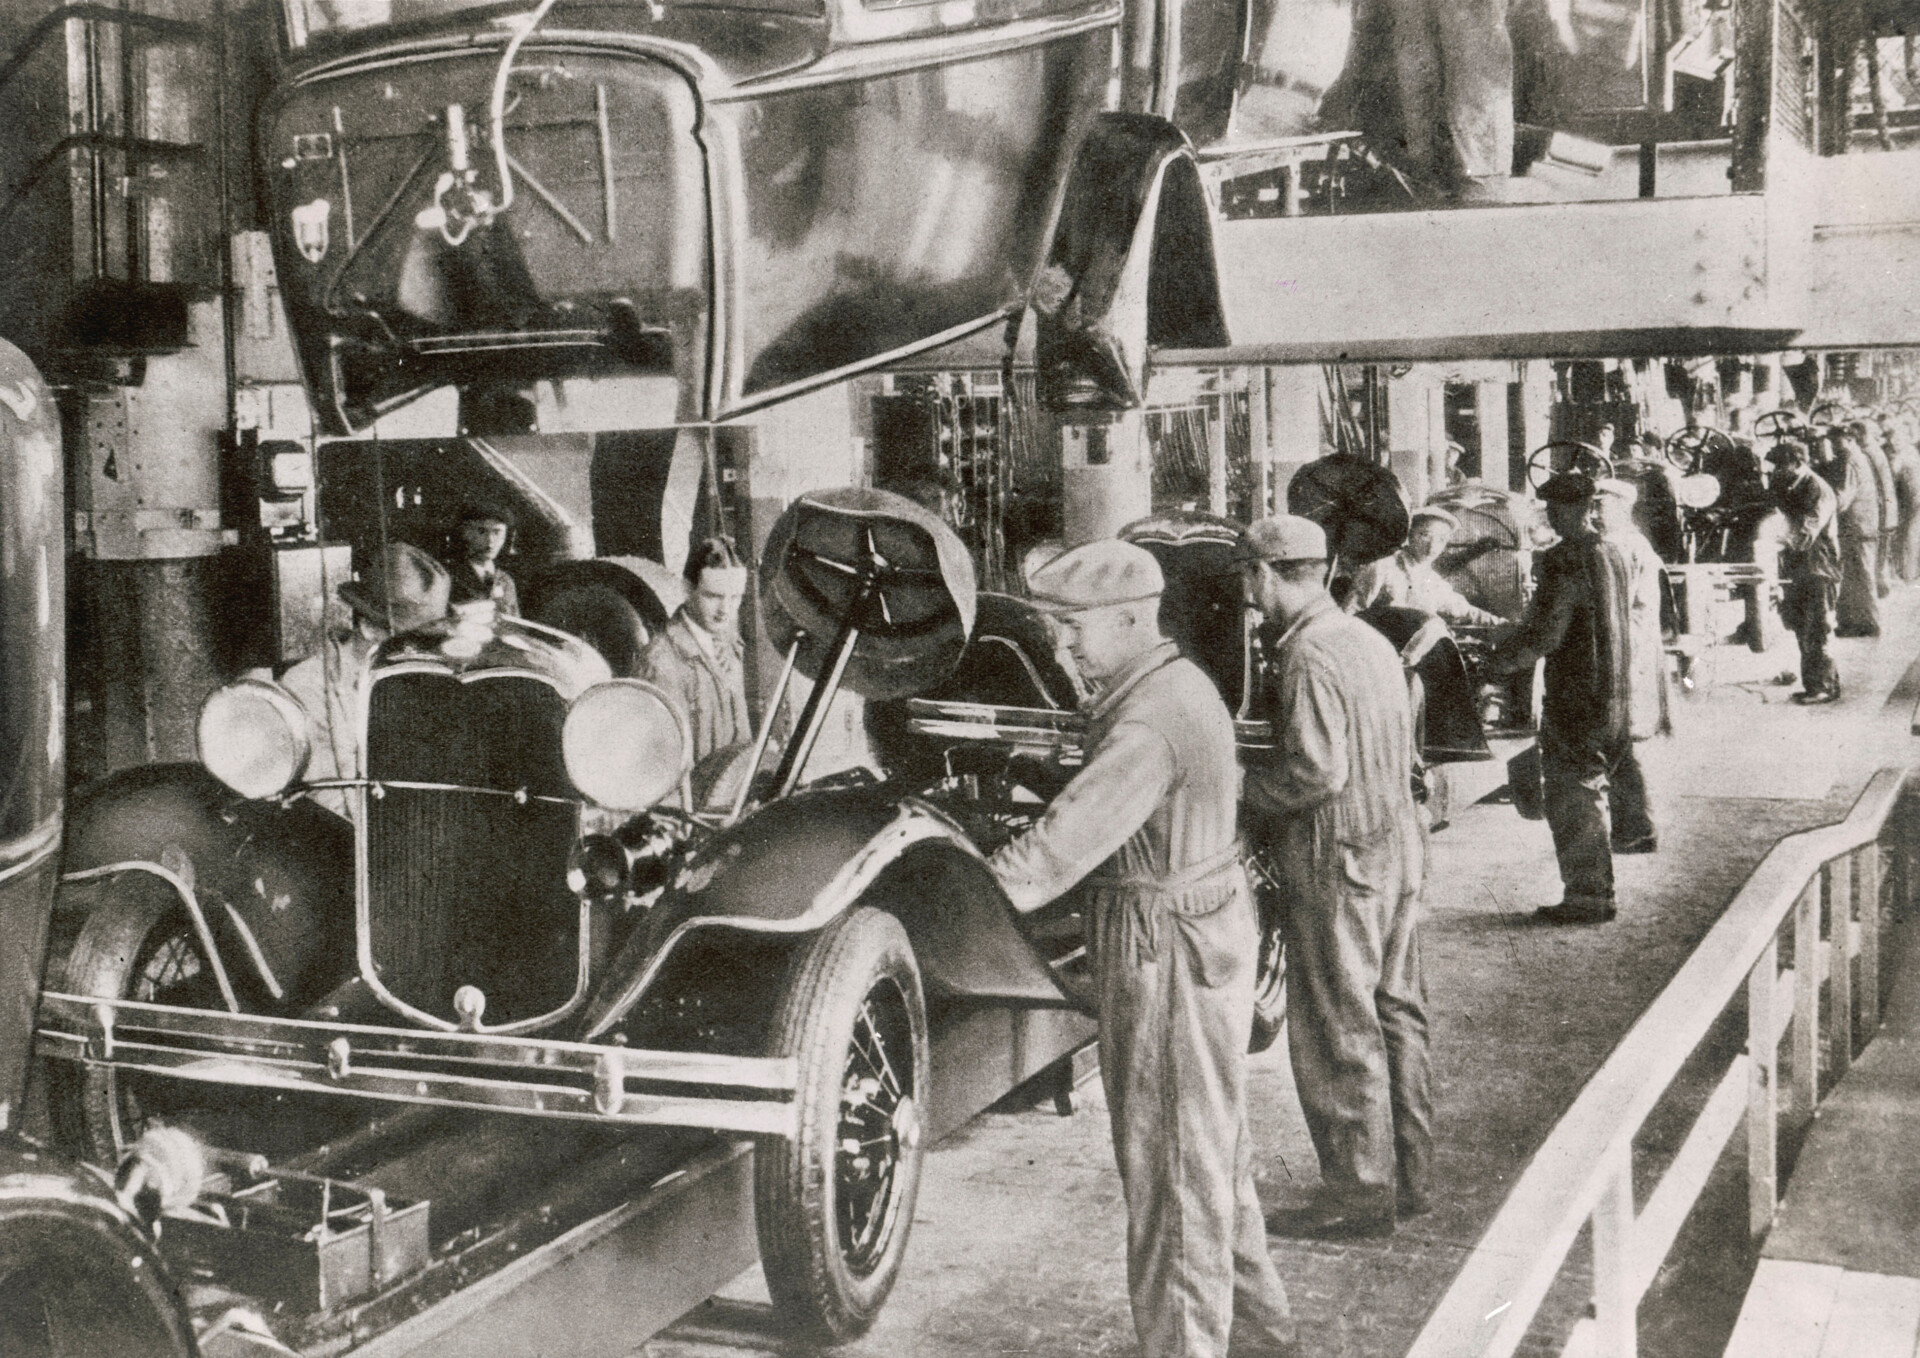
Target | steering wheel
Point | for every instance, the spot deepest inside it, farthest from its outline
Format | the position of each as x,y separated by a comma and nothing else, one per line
1828,413
1550,459
1687,448
1778,424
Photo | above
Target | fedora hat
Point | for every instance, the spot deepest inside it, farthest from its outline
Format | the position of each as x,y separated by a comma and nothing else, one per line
403,589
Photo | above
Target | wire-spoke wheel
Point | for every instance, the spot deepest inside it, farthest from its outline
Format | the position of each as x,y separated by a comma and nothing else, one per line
139,945
835,1203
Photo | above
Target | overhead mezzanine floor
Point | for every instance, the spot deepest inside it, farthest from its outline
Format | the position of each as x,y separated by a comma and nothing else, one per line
1825,257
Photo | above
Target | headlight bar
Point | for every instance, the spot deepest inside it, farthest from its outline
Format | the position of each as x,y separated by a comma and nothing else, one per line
531,1076
377,788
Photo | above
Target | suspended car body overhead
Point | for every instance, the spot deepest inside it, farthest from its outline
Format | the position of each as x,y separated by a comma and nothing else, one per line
746,199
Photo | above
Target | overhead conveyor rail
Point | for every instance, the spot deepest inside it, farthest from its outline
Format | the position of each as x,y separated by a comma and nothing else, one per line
1584,1170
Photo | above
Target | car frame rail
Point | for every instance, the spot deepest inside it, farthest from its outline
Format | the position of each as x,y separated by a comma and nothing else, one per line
537,1077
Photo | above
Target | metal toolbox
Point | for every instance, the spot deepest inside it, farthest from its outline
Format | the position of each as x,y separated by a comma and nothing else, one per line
301,1241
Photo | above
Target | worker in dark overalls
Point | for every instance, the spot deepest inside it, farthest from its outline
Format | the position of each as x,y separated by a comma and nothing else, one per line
1578,621
1809,566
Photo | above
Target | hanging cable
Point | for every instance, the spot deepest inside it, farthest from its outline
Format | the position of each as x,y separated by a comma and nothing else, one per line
497,108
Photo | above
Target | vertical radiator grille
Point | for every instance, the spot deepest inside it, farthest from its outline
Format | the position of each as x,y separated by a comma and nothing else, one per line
469,888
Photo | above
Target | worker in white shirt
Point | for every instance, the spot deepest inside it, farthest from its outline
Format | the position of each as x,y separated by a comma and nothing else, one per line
1407,579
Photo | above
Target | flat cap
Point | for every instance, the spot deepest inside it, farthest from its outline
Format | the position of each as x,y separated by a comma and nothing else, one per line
1788,452
1097,575
1434,512
1567,488
1286,537
1614,488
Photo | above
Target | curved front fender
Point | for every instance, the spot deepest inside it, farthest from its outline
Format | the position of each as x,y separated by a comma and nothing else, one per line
275,882
796,863
1131,265
799,863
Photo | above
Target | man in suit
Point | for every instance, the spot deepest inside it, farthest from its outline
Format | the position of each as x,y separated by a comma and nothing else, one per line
698,657
481,534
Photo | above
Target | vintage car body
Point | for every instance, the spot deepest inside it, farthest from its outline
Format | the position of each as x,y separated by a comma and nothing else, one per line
33,715
748,198
1490,556
514,917
78,1271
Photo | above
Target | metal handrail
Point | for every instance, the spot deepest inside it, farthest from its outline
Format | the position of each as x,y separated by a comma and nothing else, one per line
1584,1169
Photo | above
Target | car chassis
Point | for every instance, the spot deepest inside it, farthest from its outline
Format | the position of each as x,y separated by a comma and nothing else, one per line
840,894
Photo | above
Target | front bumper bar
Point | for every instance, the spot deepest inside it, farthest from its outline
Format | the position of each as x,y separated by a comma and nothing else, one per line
532,1076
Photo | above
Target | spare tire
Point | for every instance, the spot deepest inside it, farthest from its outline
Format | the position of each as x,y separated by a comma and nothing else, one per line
603,603
598,614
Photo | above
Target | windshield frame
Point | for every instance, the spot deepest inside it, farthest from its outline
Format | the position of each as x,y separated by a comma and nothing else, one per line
495,16
300,35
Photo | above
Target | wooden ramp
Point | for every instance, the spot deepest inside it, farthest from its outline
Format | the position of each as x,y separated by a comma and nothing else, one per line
1839,1276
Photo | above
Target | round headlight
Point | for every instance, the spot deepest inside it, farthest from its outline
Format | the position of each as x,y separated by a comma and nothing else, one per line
1697,491
626,745
253,737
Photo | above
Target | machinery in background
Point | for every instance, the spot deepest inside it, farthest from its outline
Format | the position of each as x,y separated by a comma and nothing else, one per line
946,450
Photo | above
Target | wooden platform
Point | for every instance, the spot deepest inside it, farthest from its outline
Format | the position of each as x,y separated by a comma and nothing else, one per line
1799,1310
1839,1276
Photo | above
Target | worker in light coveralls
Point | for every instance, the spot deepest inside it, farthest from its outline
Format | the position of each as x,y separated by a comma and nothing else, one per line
1149,822
1333,802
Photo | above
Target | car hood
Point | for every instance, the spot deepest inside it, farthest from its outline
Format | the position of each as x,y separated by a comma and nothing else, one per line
478,639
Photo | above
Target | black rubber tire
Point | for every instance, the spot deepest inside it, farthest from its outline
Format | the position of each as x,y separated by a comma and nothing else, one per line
858,975
74,1283
596,613
96,1115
